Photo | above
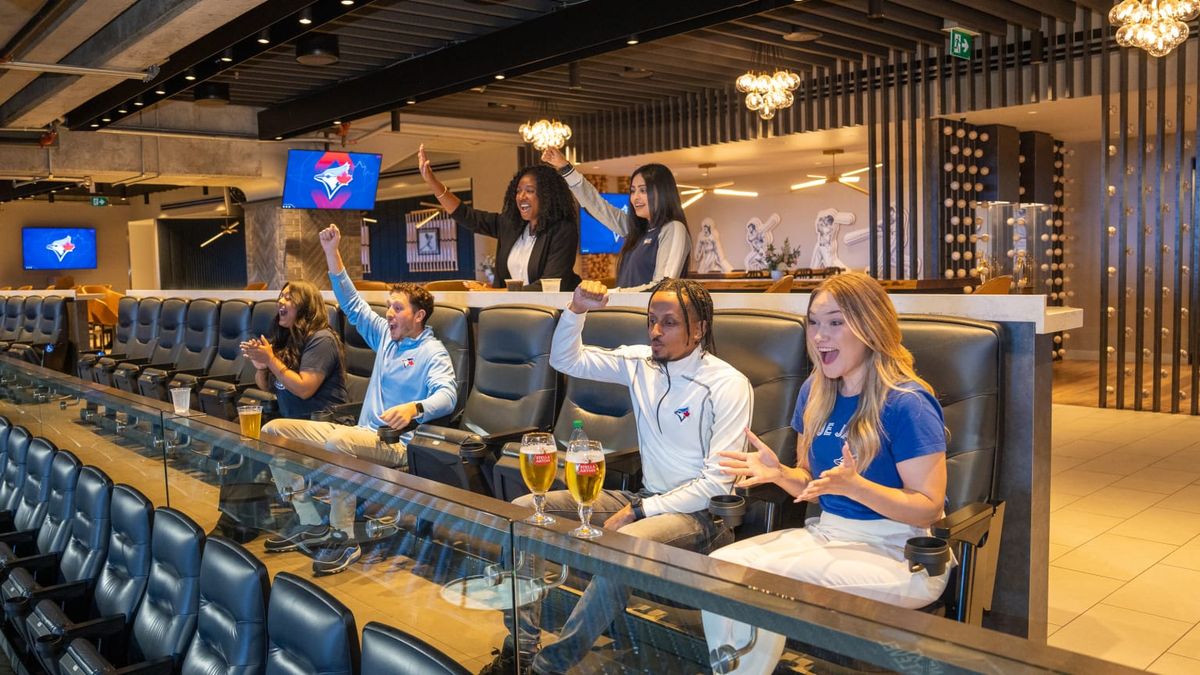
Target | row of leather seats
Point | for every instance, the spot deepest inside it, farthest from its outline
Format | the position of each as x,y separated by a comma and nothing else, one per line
95,579
33,329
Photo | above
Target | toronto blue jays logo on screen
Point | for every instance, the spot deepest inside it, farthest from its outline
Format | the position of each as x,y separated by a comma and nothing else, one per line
331,180
61,247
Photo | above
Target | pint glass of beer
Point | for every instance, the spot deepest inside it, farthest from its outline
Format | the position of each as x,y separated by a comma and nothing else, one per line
539,460
585,479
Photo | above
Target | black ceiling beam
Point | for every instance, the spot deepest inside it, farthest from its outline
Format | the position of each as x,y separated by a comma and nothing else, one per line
1100,6
574,32
832,28
891,12
202,56
965,16
1063,10
829,50
846,16
1008,10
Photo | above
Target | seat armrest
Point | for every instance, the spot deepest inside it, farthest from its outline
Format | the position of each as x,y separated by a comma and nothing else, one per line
347,409
186,371
227,377
121,360
96,628
37,561
160,666
18,537
498,439
628,459
969,523
67,591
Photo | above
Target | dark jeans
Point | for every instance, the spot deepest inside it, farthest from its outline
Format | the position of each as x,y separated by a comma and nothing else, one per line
603,600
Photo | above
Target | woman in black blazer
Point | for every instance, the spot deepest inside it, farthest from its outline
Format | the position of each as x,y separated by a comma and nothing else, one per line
537,231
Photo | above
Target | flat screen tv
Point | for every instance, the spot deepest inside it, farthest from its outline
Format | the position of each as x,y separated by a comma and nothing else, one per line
317,179
59,248
594,237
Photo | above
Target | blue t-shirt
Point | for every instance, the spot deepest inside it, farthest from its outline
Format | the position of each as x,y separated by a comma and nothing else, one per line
321,354
912,426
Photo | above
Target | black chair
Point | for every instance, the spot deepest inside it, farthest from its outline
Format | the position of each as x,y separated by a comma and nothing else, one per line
75,567
513,392
231,629
118,589
52,534
171,324
27,321
34,498
127,310
196,354
137,346
13,477
5,429
970,396
388,650
165,619
233,328
46,345
10,328
769,349
452,325
218,397
605,409
309,630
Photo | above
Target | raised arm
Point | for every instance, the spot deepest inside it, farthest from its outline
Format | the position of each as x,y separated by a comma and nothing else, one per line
589,198
567,352
372,327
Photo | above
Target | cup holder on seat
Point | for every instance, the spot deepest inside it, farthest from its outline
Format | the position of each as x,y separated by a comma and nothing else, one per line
931,554
729,508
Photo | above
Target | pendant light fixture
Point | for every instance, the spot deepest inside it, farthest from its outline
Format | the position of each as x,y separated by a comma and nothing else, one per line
1157,26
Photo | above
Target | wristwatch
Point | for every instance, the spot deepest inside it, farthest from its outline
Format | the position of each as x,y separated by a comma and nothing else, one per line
635,503
420,408
566,170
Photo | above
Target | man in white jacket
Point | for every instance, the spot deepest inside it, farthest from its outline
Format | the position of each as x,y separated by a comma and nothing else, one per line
689,406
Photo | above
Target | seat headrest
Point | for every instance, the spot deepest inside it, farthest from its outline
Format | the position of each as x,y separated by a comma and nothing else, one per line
93,493
225,571
515,333
310,624
64,471
131,514
176,541
386,649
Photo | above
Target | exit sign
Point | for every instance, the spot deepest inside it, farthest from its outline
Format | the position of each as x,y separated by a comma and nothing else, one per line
962,44
99,201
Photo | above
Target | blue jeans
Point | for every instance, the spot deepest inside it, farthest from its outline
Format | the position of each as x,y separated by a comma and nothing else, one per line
603,600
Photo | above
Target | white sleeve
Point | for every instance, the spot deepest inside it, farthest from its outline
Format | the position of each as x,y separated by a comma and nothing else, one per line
731,406
568,354
589,198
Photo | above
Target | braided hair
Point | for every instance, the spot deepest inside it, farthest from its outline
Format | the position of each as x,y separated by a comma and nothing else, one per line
698,302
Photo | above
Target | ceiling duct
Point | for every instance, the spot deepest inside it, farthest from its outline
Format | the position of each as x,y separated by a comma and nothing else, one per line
317,49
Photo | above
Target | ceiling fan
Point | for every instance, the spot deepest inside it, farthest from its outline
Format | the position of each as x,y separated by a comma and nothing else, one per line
437,210
849,179
230,228
695,192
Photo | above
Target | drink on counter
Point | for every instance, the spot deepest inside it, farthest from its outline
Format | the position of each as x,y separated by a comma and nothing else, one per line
585,479
250,417
539,461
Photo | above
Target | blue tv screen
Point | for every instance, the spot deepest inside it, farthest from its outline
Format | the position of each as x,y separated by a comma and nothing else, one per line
317,179
59,248
594,237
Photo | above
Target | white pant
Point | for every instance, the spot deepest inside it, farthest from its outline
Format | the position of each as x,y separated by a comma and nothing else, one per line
338,439
863,557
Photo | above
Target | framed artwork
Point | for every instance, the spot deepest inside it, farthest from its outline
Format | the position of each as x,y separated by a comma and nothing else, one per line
429,241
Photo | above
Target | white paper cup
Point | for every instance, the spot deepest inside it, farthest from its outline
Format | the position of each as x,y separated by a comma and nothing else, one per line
551,285
181,398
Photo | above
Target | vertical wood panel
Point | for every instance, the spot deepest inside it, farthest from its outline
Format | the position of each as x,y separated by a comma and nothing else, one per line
1122,260
1105,221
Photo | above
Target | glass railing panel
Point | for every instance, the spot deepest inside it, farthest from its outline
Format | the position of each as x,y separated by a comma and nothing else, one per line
417,540
660,626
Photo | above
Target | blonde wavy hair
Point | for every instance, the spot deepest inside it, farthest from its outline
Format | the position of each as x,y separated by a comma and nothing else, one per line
871,317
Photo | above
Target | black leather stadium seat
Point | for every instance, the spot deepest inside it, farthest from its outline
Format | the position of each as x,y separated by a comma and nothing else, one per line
198,349
171,323
388,650
137,346
309,630
231,630
51,535
127,309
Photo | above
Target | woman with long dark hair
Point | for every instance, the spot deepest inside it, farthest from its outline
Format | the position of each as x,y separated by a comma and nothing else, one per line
871,450
303,364
536,231
657,242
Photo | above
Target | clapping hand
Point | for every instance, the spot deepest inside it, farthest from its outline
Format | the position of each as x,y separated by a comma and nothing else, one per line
258,350
843,479
752,468
589,295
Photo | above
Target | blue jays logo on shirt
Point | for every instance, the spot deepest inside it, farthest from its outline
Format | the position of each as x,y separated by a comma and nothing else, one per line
683,413
407,363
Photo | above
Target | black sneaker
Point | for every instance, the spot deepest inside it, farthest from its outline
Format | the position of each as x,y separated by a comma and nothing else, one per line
337,556
306,536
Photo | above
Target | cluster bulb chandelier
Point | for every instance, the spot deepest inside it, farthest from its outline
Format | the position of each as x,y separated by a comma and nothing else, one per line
1157,26
767,92
547,132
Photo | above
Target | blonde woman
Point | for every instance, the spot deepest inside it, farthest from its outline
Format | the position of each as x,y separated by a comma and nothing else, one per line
871,450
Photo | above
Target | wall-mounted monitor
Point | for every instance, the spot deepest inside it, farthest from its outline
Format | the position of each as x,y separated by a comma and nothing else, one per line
317,179
594,237
59,248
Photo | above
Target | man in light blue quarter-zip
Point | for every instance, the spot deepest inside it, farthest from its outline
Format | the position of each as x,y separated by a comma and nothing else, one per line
412,380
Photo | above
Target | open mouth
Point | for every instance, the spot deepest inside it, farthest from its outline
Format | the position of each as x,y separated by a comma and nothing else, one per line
524,208
828,356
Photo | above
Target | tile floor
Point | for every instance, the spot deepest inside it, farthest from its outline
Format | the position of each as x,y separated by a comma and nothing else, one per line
1125,537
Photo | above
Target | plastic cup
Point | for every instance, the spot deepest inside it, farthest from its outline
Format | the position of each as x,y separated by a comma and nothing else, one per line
513,284
551,285
181,398
250,417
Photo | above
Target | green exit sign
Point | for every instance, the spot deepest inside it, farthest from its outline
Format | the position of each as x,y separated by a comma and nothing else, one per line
962,44
99,201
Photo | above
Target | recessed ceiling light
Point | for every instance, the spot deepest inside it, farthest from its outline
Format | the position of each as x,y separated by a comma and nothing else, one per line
411,101
160,92
139,102
305,17
94,125
105,119
336,122
122,111
264,37
190,76
499,76
347,2
633,40
227,56
279,138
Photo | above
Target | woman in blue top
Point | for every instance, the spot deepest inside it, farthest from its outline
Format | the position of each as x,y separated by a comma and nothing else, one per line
871,449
